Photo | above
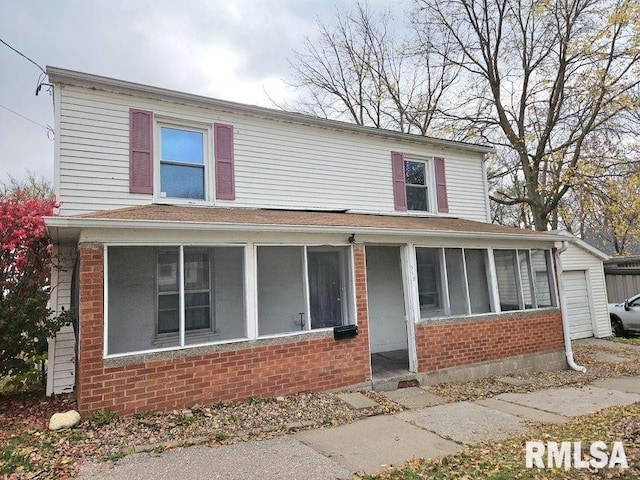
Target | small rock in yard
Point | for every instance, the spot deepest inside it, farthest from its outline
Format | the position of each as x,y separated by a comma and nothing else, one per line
64,420
280,399
187,413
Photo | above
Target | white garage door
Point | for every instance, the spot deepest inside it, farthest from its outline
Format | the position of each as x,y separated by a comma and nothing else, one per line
577,300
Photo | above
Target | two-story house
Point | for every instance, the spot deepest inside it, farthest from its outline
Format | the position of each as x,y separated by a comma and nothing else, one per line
214,251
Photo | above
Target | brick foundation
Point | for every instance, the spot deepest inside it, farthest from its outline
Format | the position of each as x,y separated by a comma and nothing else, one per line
464,341
257,368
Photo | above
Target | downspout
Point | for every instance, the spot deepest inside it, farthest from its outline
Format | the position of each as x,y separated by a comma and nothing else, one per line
563,311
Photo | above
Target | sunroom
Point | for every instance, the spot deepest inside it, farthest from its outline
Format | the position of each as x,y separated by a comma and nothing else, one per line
212,303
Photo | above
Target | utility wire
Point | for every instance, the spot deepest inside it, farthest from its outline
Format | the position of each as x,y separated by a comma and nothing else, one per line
23,55
46,127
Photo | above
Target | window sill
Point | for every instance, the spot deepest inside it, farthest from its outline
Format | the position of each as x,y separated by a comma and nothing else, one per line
183,202
490,316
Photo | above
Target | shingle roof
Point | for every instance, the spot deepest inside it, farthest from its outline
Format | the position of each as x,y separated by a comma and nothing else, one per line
303,218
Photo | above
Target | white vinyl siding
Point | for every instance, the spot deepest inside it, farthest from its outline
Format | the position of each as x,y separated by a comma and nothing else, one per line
61,363
576,258
277,164
576,294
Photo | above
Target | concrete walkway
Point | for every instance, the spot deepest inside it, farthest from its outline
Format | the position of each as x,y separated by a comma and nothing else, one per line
371,444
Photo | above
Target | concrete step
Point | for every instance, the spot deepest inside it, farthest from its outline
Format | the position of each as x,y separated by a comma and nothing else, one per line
386,383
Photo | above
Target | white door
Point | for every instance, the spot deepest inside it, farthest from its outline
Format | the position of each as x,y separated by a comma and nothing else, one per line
577,298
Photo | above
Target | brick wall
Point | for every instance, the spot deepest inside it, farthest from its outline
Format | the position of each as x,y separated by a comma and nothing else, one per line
458,342
255,370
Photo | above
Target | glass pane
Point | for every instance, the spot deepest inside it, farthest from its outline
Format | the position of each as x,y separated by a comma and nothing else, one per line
506,275
456,281
182,145
196,271
177,181
539,263
168,302
476,260
196,299
417,198
281,293
429,282
414,173
326,287
197,318
168,313
168,272
527,296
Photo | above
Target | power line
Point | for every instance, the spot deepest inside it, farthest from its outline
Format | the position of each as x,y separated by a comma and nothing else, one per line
46,127
23,55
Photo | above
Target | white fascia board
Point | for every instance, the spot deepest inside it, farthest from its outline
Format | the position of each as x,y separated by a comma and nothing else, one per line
82,223
582,244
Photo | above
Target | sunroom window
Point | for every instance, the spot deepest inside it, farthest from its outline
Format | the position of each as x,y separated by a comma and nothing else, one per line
524,279
182,163
457,281
150,308
467,286
302,288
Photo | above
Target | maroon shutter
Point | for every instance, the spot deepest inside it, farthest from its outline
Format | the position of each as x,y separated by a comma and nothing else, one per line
441,185
399,189
223,148
140,151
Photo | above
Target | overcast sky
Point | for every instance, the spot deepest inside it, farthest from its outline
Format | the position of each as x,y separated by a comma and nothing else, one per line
229,49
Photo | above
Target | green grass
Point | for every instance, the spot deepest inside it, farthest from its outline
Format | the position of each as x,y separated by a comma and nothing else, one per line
103,417
628,341
14,457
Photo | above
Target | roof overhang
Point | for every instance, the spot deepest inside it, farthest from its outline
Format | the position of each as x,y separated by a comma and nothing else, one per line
68,229
96,82
582,244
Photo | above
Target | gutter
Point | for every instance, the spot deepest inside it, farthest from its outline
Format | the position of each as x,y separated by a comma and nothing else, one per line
563,310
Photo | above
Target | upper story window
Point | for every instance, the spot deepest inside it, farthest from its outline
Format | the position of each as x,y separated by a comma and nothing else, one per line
417,185
182,163
175,160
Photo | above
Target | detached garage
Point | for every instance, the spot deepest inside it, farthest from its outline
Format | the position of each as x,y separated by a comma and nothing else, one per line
585,289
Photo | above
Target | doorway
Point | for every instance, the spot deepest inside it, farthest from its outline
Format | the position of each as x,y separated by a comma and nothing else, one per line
387,316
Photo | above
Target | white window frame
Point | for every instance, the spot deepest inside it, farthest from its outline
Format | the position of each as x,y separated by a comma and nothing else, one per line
207,153
430,183
492,281
181,332
348,282
250,282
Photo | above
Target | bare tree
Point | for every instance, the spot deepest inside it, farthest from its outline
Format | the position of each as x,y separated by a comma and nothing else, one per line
540,77
361,71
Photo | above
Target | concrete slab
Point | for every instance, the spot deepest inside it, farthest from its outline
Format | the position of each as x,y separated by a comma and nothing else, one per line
523,412
466,422
571,402
356,400
278,459
373,443
623,384
414,397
